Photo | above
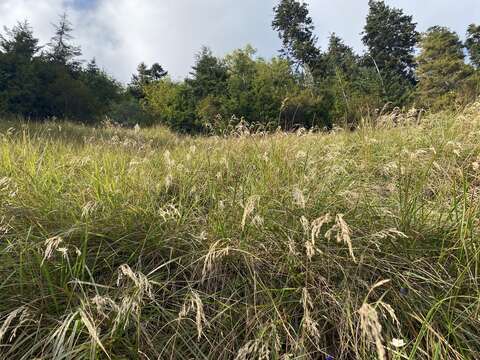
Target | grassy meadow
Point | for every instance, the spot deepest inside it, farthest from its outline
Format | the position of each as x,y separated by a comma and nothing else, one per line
142,244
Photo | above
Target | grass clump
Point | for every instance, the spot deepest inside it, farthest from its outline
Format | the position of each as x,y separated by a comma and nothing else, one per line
125,244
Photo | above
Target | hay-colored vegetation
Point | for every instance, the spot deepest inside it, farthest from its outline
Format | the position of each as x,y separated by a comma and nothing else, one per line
127,244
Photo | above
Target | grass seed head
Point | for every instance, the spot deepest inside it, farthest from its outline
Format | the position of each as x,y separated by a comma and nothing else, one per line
310,326
139,280
249,208
51,245
397,343
299,198
343,234
214,254
194,303
19,312
372,329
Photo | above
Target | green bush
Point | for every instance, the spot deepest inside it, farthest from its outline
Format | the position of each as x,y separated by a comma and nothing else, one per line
130,112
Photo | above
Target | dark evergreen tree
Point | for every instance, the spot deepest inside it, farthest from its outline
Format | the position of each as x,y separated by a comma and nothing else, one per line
342,69
295,28
473,44
390,37
340,57
52,83
209,75
60,50
19,41
354,89
18,80
145,76
104,89
63,92
156,72
442,70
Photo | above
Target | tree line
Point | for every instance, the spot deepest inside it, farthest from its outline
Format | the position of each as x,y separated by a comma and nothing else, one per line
40,82
304,86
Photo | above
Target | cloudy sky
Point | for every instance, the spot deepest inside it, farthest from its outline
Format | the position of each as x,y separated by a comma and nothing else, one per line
122,33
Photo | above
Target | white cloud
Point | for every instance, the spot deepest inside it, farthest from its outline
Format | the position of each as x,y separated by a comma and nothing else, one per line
121,33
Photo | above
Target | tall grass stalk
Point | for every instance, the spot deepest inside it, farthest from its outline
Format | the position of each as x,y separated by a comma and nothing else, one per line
126,244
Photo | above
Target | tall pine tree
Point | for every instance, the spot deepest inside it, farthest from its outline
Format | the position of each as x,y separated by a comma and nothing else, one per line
209,75
144,77
295,28
390,37
473,44
18,79
442,70
60,49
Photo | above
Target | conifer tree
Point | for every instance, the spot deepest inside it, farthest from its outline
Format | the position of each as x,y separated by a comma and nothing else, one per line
19,41
144,77
18,80
60,49
296,30
390,37
340,57
208,76
442,70
473,44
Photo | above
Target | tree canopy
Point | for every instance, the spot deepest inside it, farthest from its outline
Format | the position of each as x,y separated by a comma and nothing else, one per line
442,70
390,37
473,44
296,30
304,86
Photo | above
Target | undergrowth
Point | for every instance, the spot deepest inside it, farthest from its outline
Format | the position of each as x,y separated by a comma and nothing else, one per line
126,244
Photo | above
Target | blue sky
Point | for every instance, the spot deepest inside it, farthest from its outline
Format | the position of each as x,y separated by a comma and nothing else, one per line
84,4
121,33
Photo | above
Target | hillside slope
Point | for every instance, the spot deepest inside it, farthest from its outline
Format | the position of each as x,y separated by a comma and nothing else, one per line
128,244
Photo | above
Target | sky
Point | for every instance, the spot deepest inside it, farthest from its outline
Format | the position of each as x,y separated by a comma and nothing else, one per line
122,33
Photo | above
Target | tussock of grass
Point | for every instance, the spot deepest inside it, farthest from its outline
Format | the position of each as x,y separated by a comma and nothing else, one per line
140,244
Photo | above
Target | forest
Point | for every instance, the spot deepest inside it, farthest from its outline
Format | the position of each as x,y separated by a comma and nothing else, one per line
304,86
